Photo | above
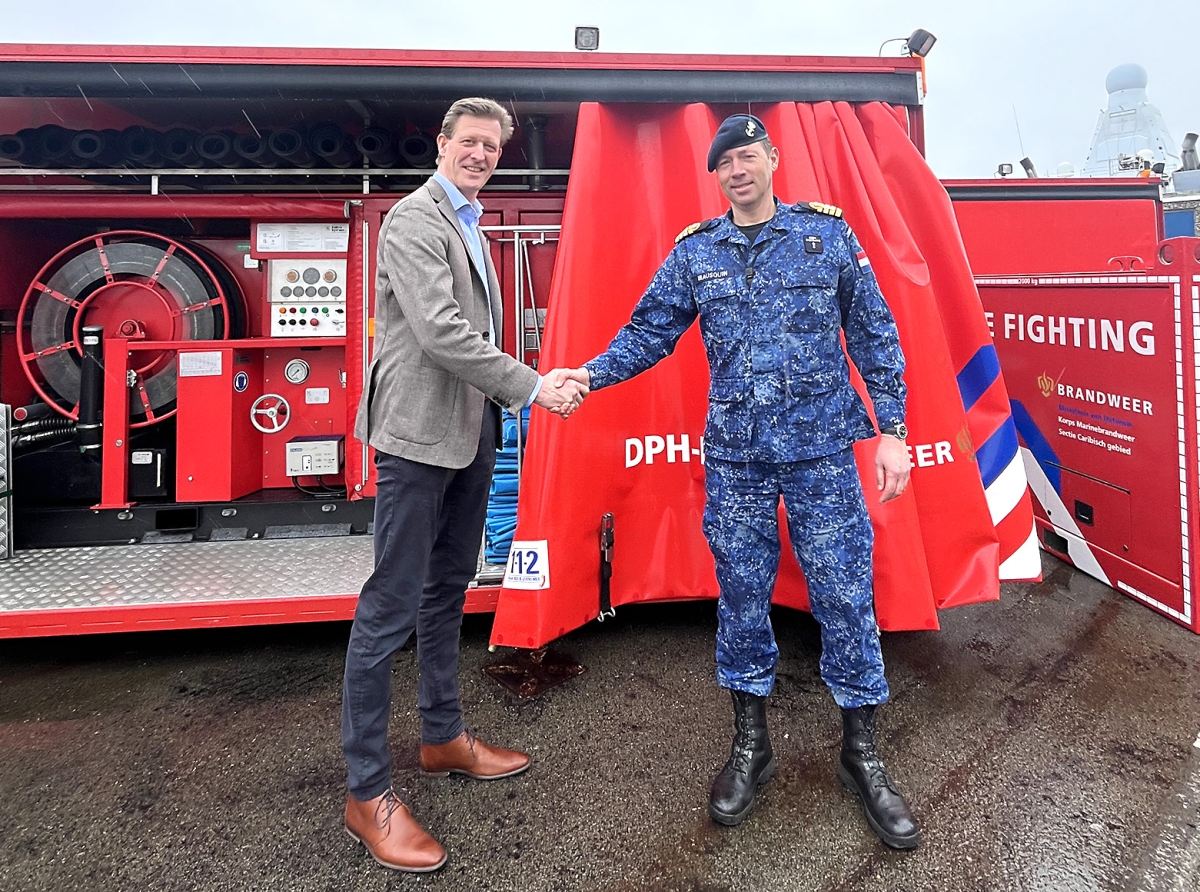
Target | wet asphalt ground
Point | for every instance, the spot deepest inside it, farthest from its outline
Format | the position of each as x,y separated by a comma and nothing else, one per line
1047,742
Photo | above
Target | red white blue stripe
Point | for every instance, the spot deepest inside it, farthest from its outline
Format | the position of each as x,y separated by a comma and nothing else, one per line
1003,469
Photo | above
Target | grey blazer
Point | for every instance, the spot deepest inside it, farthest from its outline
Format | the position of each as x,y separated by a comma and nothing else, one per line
433,366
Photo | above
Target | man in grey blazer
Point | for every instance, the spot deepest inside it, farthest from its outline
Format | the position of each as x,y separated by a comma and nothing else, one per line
430,409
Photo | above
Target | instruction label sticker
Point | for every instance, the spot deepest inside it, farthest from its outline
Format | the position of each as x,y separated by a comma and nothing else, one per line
200,365
303,238
528,566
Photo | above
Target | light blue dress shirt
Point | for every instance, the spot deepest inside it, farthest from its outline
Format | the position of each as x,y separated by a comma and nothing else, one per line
469,214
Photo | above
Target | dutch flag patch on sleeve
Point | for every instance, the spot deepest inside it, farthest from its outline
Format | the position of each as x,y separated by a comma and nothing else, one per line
864,264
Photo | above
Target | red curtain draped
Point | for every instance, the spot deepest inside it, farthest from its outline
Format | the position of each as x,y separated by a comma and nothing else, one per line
638,177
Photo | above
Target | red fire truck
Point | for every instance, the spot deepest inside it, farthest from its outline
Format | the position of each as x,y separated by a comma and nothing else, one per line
188,236
1095,318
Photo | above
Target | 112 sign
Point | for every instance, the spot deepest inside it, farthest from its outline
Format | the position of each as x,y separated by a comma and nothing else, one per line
528,566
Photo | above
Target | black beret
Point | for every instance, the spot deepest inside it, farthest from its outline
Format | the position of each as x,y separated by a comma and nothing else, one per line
735,131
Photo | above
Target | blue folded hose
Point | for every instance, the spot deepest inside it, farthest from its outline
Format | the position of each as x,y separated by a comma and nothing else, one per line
501,521
504,485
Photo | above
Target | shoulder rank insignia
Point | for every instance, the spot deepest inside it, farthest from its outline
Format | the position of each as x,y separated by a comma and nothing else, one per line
693,229
822,208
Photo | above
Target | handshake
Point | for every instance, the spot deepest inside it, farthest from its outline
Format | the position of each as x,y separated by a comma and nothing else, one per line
563,391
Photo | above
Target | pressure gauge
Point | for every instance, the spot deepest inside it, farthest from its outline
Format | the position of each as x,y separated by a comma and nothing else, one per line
296,371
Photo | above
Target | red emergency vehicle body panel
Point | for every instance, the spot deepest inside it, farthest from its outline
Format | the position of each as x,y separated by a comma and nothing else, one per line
1091,371
1103,370
633,450
186,615
1100,364
200,614
1050,227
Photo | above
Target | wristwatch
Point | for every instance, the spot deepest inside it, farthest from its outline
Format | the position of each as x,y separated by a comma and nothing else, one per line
898,430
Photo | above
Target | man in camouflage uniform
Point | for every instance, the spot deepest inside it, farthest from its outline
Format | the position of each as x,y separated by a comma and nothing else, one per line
774,288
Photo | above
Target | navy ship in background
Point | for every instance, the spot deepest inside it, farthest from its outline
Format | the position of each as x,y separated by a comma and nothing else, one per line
1132,140
1131,135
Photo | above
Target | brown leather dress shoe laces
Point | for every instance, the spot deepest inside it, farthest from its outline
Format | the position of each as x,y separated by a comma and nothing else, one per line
468,755
391,834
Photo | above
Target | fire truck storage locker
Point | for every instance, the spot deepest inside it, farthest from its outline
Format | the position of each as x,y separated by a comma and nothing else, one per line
1096,322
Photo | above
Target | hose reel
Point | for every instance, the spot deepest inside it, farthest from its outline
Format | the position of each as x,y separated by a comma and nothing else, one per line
138,285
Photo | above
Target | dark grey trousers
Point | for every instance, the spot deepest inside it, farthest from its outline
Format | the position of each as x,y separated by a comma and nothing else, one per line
428,529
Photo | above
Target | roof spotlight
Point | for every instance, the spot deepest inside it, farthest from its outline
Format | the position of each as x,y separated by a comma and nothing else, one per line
587,38
920,42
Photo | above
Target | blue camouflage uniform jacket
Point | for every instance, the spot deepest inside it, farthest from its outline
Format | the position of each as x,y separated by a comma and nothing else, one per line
771,316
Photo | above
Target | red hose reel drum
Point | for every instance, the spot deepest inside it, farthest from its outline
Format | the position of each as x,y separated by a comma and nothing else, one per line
134,284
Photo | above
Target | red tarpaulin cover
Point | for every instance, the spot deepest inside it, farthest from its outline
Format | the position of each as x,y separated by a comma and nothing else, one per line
637,178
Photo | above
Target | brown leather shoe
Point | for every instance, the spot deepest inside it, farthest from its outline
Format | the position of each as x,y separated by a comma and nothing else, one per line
392,835
466,754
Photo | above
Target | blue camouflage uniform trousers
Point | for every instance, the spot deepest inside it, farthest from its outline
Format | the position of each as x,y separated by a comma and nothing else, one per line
782,420
831,537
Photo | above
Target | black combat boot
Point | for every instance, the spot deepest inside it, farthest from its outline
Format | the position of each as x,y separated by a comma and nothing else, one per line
751,762
862,771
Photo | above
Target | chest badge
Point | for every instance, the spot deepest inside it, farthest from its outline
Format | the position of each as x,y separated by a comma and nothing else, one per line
813,244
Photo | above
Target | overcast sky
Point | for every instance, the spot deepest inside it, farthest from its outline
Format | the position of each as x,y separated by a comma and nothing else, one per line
1045,60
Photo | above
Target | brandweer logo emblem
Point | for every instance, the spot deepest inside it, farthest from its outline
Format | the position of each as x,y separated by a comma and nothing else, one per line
1046,384
965,446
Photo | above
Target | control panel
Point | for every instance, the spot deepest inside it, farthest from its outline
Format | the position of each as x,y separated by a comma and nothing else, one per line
314,456
307,298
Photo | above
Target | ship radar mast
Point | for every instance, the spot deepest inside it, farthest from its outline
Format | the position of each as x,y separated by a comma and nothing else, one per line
1131,135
